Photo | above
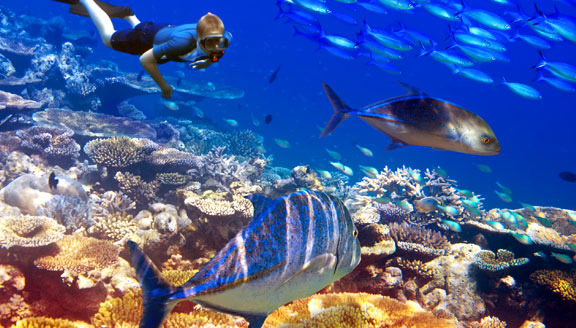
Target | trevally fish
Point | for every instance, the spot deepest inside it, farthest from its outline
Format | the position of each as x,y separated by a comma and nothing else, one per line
295,246
472,74
557,83
417,119
523,90
562,70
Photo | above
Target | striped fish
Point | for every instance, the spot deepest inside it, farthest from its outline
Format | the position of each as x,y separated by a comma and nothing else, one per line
417,119
295,246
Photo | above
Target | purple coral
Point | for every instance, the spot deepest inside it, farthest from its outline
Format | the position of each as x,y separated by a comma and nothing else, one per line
53,143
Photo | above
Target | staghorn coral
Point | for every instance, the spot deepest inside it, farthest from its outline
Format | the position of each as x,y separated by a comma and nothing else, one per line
136,188
79,255
559,282
353,310
418,239
116,226
44,322
52,143
29,231
70,211
94,124
118,152
487,261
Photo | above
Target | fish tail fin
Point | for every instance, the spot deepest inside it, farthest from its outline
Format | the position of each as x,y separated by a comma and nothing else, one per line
156,292
340,110
423,51
540,77
542,63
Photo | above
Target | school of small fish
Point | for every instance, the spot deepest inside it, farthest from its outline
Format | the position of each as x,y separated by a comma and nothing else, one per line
474,37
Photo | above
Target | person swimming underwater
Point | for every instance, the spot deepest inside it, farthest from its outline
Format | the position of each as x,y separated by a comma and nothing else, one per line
200,44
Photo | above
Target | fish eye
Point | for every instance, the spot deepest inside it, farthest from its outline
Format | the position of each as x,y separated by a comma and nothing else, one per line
355,233
486,140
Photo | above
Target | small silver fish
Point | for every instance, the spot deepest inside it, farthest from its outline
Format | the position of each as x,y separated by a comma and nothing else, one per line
295,246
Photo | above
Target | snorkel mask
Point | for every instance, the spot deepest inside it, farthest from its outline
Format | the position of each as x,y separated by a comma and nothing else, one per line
215,45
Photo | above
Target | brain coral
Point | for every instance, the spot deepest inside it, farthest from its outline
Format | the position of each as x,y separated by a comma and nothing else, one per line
353,310
29,231
79,255
118,151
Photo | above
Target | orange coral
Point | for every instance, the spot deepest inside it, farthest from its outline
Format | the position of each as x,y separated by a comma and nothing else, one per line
559,282
490,322
79,255
44,322
354,310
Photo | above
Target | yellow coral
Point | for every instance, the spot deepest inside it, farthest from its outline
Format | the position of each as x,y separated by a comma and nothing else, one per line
491,322
218,204
114,226
29,231
353,310
178,277
559,282
44,322
79,255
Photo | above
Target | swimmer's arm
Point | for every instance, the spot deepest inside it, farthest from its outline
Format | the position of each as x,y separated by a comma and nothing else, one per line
151,66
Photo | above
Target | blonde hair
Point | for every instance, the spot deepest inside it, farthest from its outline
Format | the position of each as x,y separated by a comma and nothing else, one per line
209,24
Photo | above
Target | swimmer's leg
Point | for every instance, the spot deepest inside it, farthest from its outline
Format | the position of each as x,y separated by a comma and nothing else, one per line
101,19
132,20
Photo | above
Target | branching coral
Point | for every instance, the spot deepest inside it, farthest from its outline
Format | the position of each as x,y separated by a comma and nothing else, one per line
136,188
415,266
116,226
119,152
407,188
353,310
418,239
29,231
560,282
53,143
70,211
174,160
489,322
487,261
79,255
375,240
172,179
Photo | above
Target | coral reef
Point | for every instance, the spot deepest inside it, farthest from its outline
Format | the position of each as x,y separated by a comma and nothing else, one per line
117,226
93,124
136,188
79,255
111,202
353,310
559,282
44,322
487,261
417,239
244,143
375,241
52,143
11,104
174,160
70,211
29,231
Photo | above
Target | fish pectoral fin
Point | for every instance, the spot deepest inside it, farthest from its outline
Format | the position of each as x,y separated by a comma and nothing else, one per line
318,264
412,90
395,144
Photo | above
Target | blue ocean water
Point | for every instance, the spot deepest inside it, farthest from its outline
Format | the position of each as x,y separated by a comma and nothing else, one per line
537,137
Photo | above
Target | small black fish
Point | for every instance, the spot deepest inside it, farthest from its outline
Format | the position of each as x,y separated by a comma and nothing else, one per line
52,181
274,74
139,77
268,119
179,81
567,176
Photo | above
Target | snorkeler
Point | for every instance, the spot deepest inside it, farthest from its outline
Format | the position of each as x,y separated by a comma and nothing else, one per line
200,44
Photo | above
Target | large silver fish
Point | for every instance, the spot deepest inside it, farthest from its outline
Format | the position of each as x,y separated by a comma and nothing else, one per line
417,119
295,246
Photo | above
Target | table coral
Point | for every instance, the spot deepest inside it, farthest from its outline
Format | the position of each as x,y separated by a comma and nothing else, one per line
79,255
93,124
29,231
353,310
53,143
174,160
487,261
560,282
11,103
118,152
375,240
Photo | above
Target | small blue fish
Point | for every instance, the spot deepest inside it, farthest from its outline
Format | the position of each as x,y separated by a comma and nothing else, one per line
449,210
385,38
369,171
465,192
317,7
452,225
441,172
505,189
417,119
522,238
523,90
503,196
562,258
543,221
325,174
334,154
562,70
295,246
496,225
532,40
528,207
559,84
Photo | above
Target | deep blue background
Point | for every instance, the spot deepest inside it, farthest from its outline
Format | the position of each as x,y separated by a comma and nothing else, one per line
537,137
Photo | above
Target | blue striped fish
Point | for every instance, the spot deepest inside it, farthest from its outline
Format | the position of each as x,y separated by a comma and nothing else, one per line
417,119
295,246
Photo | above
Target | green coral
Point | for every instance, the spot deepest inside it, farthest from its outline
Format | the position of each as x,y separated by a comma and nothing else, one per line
504,259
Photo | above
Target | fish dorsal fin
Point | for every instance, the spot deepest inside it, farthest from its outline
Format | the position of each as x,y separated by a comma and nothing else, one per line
316,265
260,203
413,91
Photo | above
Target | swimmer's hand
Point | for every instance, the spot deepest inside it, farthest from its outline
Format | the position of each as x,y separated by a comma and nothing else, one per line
201,63
167,91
